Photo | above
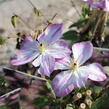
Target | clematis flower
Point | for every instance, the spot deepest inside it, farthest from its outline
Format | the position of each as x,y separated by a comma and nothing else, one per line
103,4
74,75
43,52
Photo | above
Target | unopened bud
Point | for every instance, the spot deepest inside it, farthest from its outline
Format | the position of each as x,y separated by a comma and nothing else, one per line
88,102
88,92
82,106
77,96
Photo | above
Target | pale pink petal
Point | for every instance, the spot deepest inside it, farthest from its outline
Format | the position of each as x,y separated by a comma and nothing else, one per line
97,3
82,52
62,84
28,52
52,33
24,56
29,38
47,65
80,77
29,43
96,72
59,49
62,64
65,81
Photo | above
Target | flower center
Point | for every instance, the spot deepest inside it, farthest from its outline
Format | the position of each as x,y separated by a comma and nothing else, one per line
74,65
42,47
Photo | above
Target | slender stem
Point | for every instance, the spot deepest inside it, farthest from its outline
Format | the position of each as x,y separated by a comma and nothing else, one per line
28,26
101,49
73,4
11,92
28,75
31,3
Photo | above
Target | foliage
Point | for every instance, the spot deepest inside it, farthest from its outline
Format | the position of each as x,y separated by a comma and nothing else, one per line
3,107
102,102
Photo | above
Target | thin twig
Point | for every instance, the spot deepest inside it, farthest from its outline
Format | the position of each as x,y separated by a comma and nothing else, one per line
11,92
31,4
101,49
74,6
28,75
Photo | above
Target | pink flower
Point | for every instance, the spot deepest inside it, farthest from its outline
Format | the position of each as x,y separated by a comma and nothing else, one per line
103,4
75,75
44,51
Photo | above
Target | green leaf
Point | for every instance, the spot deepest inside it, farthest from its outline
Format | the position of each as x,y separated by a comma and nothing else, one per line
42,101
54,105
3,107
79,23
71,35
85,11
101,103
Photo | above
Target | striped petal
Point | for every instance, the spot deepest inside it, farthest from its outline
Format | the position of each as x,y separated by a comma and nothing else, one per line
62,84
47,65
82,52
96,72
52,33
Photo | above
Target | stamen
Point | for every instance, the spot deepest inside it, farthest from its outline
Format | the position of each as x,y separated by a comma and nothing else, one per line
74,65
42,47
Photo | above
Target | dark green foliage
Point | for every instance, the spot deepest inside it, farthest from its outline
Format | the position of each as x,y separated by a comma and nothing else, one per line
2,81
102,102
71,35
79,23
3,107
85,11
42,101
83,20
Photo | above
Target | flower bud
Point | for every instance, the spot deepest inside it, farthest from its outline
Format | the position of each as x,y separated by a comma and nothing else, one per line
88,92
82,106
77,96
88,102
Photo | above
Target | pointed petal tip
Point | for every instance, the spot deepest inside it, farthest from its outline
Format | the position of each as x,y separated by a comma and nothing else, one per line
16,63
83,43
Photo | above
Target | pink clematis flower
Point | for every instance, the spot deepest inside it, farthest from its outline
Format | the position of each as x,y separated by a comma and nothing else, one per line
103,4
43,52
75,75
